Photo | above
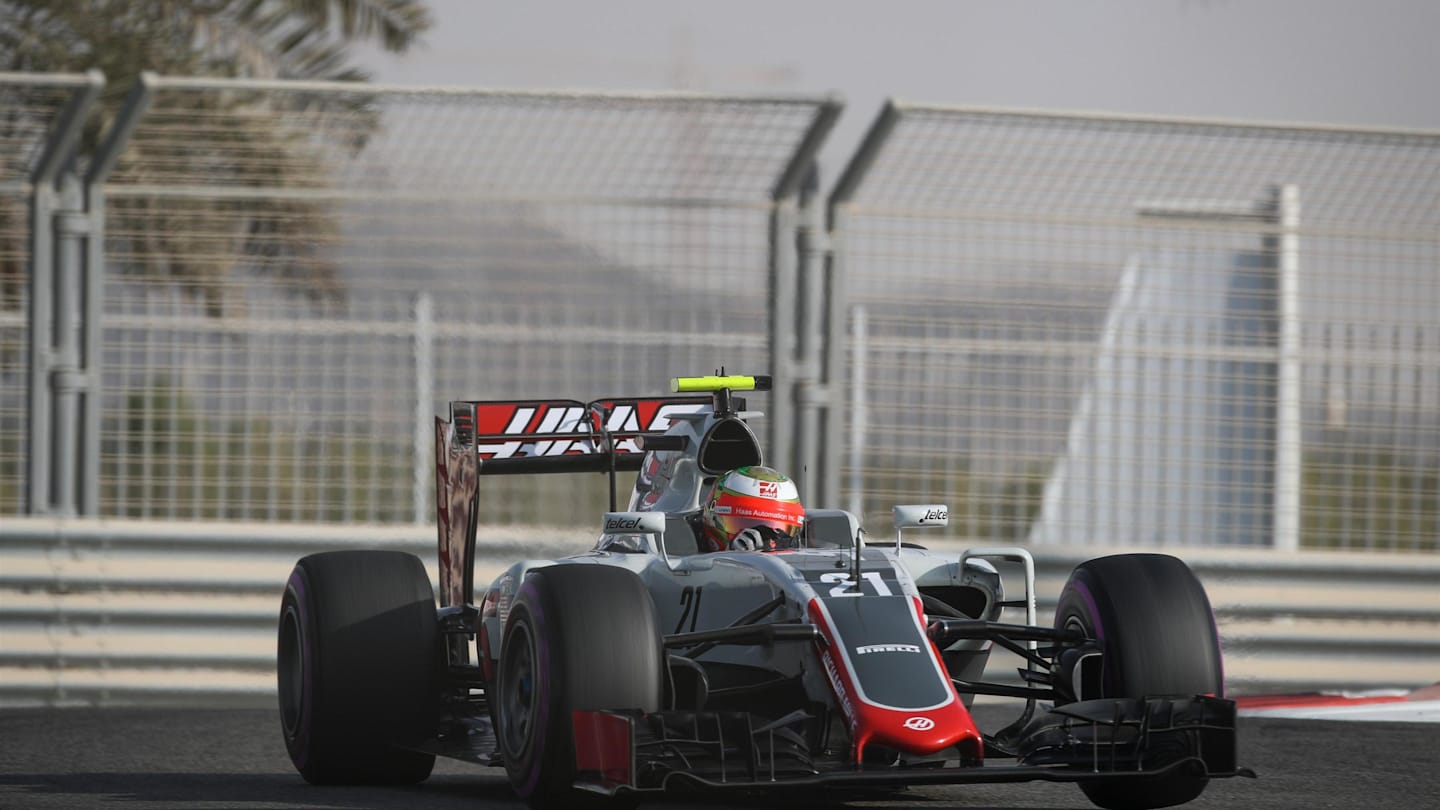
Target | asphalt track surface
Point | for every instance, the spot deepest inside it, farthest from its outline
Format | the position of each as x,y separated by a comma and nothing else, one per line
166,759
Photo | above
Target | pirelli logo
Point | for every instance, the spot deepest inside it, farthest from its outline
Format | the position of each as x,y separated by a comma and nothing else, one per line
887,648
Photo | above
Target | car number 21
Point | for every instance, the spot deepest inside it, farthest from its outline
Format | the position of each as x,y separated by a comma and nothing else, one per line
842,585
690,601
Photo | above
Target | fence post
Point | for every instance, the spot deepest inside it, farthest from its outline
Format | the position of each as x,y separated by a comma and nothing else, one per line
55,375
858,415
780,454
836,223
1288,458
42,285
92,320
797,295
106,155
424,412
813,393
834,360
68,377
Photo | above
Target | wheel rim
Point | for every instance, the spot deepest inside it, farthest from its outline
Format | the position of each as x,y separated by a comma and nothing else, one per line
291,670
517,690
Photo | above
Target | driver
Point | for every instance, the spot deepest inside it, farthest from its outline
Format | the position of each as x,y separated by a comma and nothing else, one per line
752,509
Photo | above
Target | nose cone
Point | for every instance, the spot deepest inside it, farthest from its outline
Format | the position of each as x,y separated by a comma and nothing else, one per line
888,678
921,733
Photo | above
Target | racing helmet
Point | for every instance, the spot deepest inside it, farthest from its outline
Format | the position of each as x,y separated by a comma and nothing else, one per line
757,501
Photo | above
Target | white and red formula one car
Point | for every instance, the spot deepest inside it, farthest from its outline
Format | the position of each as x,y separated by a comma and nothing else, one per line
647,665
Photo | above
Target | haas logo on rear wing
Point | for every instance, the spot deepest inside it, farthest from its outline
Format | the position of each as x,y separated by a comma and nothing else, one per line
551,428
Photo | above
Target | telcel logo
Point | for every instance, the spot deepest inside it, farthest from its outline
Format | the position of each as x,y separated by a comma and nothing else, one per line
622,524
919,724
935,514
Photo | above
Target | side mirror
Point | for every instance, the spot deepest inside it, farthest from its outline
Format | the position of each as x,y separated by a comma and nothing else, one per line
917,516
635,523
651,524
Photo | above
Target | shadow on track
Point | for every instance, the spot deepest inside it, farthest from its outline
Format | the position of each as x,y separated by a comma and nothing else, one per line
239,790
234,759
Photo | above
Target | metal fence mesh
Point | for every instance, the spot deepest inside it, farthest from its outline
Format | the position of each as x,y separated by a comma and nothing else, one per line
300,277
1073,329
1073,326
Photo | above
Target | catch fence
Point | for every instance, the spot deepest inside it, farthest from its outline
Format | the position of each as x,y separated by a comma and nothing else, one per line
1074,329
299,275
1093,329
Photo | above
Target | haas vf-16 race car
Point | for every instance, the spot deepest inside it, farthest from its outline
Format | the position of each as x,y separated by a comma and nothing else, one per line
657,663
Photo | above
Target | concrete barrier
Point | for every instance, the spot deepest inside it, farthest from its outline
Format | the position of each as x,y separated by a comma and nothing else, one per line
101,613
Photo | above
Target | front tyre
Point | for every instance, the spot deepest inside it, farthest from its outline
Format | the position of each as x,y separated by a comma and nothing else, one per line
1157,635
356,665
578,637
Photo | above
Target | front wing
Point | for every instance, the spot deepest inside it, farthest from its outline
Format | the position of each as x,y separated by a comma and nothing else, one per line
1096,740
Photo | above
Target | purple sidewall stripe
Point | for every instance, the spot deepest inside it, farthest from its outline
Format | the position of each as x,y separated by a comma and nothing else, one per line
1109,677
1089,601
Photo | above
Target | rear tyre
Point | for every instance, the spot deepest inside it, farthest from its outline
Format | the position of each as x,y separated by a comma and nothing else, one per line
1158,637
357,667
578,637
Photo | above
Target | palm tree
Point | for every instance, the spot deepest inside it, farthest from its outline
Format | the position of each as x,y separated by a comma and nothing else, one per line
284,39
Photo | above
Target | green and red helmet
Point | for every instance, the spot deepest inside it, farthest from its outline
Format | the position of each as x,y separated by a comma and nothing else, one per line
753,498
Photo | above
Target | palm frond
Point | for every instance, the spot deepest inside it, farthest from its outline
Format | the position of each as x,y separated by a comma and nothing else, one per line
198,245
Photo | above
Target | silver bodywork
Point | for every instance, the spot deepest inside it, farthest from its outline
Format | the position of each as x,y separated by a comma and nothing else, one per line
843,659
708,591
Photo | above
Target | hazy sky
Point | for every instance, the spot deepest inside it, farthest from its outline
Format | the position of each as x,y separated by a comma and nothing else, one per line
1359,62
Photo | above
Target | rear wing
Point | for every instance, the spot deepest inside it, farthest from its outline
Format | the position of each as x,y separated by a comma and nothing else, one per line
511,437
504,437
